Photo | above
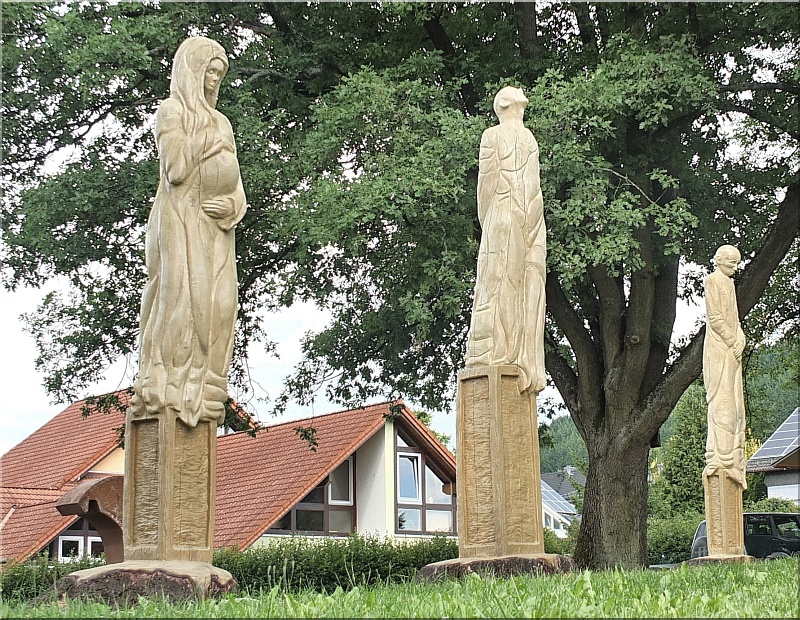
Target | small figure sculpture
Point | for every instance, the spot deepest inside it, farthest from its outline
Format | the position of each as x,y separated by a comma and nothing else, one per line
507,324
722,370
190,301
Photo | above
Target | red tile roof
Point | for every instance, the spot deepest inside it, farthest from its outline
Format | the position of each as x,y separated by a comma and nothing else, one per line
258,478
25,530
63,449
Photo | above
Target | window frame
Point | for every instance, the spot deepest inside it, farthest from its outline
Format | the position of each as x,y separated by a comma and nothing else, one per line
401,503
70,538
326,507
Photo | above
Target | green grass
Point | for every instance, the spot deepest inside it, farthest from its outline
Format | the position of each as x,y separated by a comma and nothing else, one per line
762,590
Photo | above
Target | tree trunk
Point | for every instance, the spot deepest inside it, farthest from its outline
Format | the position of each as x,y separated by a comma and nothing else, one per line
613,529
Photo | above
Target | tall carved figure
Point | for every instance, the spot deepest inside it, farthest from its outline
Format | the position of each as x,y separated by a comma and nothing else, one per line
499,480
724,473
188,313
507,324
190,300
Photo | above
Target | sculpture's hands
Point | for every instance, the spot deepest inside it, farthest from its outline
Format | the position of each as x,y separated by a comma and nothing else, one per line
218,208
738,347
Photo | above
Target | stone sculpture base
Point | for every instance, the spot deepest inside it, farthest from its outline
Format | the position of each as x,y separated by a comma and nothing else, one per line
499,488
724,515
123,583
170,489
721,559
504,566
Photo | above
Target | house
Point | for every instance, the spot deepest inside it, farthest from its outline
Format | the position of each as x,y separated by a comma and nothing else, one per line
779,459
373,470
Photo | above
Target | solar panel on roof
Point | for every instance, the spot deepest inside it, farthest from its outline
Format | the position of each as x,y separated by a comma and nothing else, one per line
783,440
556,502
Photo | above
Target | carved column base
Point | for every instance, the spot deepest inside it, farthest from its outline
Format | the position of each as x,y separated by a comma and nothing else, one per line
498,478
505,566
724,515
170,488
721,559
123,583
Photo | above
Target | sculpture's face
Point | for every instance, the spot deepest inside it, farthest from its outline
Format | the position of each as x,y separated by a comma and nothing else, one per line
213,75
727,264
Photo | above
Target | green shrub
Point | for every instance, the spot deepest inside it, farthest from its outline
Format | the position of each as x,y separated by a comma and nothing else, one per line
772,504
562,546
669,539
29,579
298,562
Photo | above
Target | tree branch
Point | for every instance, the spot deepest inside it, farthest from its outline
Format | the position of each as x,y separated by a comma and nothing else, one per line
760,86
442,41
760,115
612,310
752,283
587,358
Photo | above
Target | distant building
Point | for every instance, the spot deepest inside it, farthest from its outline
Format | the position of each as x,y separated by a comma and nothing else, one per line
566,482
779,460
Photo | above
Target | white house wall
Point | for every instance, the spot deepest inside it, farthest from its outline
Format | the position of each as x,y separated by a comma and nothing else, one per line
375,483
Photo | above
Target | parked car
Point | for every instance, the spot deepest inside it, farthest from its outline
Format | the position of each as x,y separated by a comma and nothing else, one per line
766,535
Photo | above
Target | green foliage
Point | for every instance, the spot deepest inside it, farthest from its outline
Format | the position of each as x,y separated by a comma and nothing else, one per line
565,447
299,562
562,546
772,504
771,373
757,590
683,456
669,539
27,580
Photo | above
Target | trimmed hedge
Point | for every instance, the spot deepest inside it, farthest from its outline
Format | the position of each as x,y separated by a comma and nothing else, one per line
27,580
292,563
669,539
323,564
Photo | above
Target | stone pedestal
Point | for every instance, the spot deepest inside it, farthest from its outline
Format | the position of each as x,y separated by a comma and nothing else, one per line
724,518
507,566
123,583
170,488
499,489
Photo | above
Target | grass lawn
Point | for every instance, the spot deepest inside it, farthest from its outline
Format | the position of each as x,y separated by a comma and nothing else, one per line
765,589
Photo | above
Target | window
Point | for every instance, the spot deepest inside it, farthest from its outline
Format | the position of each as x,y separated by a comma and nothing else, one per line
96,547
341,487
787,526
424,497
70,548
327,509
408,482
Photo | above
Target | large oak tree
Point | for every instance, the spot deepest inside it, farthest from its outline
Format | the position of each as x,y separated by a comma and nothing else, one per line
665,131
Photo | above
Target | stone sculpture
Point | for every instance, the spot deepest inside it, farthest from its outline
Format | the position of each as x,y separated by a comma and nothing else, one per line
507,324
498,477
724,473
187,321
190,300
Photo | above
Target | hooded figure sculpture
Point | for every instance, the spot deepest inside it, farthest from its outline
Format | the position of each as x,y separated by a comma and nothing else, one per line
190,301
507,325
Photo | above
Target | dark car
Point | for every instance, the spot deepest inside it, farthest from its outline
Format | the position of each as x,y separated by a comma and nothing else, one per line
766,535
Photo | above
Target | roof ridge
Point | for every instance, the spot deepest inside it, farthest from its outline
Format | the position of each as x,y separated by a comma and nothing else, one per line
316,417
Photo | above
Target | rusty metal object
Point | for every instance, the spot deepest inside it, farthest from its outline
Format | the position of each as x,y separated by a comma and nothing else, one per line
99,501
